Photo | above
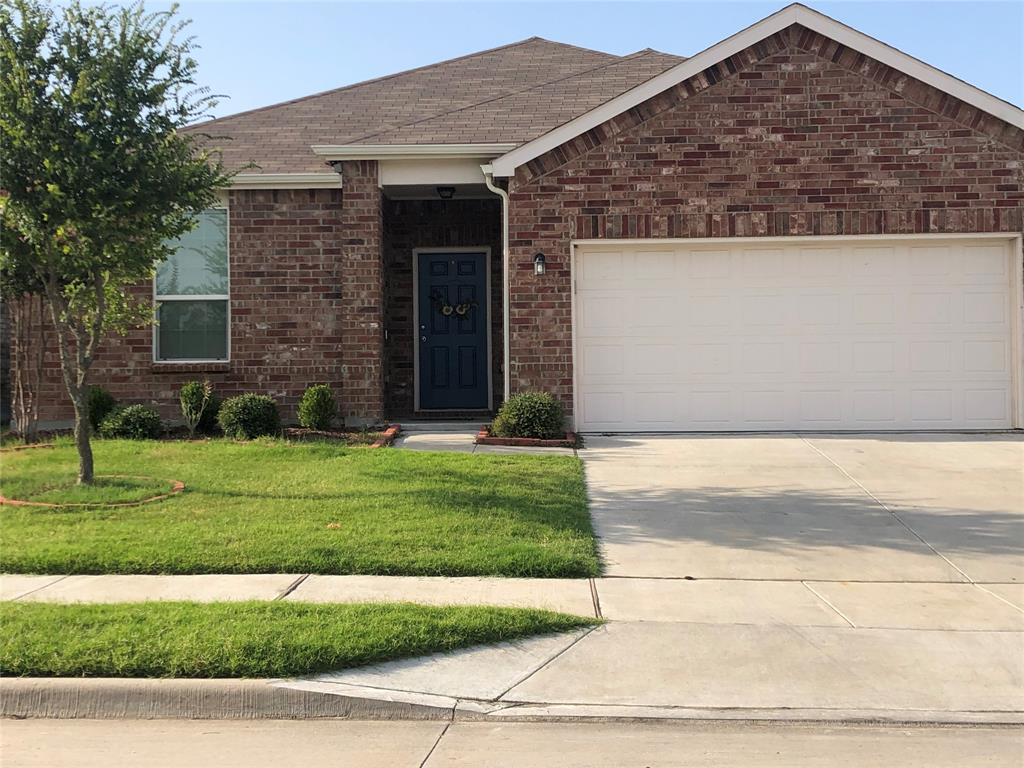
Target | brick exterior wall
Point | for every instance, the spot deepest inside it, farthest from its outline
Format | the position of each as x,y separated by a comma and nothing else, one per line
795,135
287,270
410,224
362,293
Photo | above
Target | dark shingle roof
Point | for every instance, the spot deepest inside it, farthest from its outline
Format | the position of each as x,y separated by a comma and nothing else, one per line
509,94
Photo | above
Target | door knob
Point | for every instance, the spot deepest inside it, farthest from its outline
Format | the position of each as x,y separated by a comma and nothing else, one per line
423,338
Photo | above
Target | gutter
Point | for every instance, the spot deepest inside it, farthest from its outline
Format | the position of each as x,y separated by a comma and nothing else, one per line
505,310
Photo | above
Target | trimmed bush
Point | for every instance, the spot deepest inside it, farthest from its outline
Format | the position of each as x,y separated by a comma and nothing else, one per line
248,416
195,398
530,414
100,404
317,408
133,422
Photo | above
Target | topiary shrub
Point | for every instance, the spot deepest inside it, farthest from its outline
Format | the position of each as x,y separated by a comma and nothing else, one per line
248,416
194,397
133,422
530,414
100,404
317,408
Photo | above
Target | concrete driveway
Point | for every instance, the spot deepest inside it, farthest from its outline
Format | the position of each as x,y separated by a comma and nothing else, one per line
858,508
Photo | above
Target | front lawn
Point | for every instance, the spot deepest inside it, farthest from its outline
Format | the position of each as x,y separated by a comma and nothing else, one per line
275,507
244,639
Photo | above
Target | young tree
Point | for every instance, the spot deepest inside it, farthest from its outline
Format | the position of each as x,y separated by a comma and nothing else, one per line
97,174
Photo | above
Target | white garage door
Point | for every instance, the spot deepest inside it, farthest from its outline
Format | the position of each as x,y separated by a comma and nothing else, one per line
835,333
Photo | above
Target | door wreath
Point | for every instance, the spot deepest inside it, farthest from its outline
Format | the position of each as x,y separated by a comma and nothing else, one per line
446,309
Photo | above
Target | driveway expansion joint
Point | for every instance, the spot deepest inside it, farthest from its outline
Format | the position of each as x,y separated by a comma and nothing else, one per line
827,602
885,506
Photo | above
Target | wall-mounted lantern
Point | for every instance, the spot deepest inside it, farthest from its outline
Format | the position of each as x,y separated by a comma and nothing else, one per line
539,264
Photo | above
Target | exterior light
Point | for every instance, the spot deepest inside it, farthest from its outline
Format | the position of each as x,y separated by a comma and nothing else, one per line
538,264
446,193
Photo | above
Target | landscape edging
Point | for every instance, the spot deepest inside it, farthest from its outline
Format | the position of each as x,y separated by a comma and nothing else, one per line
389,436
484,437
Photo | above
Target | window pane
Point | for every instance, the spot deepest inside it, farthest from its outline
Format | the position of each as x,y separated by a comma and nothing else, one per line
200,264
193,330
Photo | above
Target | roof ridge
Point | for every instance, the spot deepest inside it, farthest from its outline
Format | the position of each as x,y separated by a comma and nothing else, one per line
382,78
389,129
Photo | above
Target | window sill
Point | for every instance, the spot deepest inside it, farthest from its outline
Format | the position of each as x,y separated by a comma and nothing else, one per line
174,366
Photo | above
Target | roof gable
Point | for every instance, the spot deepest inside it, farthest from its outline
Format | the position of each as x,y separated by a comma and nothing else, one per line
792,15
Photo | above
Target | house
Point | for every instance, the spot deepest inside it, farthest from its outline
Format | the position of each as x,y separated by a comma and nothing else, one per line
797,228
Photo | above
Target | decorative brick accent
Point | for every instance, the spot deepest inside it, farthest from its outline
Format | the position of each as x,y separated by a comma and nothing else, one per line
362,293
793,136
410,224
484,437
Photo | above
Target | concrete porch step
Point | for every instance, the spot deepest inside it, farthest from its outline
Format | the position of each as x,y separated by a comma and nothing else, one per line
454,425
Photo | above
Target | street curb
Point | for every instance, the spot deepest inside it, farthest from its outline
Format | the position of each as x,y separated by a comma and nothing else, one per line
66,698
145,699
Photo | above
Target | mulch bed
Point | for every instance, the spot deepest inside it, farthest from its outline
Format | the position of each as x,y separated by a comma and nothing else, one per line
380,440
484,437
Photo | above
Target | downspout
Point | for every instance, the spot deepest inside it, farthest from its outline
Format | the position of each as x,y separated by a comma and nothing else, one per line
506,312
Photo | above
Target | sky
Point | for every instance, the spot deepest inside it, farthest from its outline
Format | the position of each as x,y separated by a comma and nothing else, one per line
259,53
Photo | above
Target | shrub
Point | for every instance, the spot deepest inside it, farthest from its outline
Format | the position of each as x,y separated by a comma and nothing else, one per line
247,416
208,423
530,414
100,404
195,398
134,422
317,408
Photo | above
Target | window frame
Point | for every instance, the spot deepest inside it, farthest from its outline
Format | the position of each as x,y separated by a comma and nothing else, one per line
226,298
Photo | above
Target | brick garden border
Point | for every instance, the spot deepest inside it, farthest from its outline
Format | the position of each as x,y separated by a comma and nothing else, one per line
389,436
176,487
484,437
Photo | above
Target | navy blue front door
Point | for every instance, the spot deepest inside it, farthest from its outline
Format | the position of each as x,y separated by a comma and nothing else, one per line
453,330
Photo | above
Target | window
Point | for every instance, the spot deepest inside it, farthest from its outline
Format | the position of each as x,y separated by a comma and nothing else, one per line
192,293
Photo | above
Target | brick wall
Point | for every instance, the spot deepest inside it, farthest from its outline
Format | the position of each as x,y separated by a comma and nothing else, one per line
410,224
286,321
793,136
362,293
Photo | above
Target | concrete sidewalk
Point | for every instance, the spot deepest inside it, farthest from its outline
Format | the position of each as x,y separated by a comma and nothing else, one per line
878,605
673,648
460,437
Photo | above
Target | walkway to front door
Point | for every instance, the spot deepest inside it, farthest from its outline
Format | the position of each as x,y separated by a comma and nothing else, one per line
452,346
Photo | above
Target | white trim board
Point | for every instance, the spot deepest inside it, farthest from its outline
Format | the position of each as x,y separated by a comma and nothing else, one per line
409,151
792,14
326,180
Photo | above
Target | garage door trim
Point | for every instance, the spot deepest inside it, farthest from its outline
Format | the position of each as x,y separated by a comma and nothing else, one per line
1016,288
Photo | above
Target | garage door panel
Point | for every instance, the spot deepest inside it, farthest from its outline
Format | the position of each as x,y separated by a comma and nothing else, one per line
824,336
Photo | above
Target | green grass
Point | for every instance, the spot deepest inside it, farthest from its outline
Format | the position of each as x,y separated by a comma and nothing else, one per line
256,639
106,490
272,506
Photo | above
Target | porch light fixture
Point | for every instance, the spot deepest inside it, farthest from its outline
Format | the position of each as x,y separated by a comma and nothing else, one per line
538,264
446,193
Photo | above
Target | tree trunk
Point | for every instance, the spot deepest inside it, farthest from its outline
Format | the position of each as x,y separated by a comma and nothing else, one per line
82,443
74,367
28,349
